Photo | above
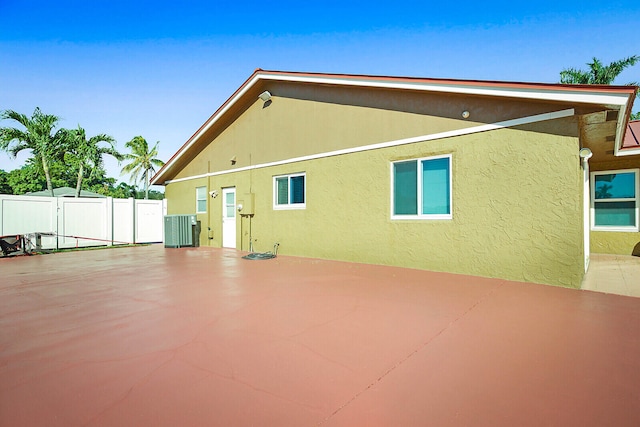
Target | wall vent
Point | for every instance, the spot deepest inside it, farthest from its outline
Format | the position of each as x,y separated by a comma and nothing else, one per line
611,115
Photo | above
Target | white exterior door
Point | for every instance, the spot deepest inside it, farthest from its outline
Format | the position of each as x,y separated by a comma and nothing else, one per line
229,217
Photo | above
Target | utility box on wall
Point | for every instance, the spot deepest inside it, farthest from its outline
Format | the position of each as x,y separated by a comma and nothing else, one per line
181,231
247,202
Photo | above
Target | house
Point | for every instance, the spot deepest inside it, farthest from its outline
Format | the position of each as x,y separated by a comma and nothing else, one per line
473,177
65,192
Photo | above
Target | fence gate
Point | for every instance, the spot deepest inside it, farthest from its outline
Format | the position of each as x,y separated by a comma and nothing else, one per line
80,222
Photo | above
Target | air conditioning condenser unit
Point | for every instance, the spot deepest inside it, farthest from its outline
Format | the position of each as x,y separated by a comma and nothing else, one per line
181,231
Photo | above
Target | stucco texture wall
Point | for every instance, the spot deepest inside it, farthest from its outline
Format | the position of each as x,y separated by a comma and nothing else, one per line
516,208
611,242
304,121
517,192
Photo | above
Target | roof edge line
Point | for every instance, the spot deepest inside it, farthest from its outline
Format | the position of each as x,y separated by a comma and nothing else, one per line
559,93
207,125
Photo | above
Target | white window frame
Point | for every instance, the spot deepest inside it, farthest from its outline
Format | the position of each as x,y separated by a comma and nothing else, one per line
421,216
622,228
198,199
289,205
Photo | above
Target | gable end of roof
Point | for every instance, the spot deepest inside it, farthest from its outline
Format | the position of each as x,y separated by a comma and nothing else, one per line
614,97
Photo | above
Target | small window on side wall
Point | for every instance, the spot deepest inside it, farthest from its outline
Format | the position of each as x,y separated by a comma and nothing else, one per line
289,191
201,199
614,200
421,188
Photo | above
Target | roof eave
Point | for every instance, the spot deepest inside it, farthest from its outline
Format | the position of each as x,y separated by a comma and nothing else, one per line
160,177
616,97
623,120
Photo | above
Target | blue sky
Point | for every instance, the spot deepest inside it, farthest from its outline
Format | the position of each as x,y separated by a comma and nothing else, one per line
160,69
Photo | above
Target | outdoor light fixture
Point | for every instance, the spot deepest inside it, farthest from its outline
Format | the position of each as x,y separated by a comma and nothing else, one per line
265,96
233,160
585,153
465,114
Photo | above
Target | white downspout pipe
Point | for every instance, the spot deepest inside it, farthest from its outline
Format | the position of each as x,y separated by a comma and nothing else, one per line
585,155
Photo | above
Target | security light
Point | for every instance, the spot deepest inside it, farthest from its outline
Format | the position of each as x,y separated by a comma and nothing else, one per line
265,96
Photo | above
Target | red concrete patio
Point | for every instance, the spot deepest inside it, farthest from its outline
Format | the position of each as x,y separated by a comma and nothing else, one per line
149,336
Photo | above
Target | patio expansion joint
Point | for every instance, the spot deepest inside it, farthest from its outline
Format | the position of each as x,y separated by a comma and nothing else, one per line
231,376
415,351
125,394
627,282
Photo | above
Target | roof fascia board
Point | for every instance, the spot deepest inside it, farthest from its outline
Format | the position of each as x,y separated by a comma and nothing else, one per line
422,138
584,96
623,116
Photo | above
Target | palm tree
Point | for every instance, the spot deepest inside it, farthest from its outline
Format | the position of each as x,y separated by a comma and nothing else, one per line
36,136
87,152
143,161
597,73
600,75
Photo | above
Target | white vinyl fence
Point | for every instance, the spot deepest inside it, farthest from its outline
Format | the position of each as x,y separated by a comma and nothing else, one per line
77,222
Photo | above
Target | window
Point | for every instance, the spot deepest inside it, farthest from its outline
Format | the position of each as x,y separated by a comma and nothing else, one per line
289,191
421,188
614,200
201,199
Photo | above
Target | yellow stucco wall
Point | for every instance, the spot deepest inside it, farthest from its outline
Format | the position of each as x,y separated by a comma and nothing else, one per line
516,193
612,242
293,125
